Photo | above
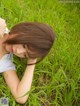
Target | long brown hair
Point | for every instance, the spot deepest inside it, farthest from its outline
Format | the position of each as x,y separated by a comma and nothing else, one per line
38,37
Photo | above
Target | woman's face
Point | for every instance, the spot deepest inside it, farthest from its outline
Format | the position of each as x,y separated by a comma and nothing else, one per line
17,49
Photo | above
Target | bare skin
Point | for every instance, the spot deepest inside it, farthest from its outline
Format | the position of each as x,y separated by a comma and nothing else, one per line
18,87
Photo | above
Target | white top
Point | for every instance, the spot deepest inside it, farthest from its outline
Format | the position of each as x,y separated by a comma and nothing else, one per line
6,63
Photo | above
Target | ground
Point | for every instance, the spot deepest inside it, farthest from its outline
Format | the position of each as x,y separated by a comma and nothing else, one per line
56,79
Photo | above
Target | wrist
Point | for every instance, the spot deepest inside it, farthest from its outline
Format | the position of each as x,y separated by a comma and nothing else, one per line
31,61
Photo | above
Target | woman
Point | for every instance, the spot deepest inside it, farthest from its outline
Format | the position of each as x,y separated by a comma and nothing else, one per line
30,40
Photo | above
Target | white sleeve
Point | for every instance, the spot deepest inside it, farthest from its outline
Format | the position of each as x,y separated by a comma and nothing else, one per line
6,63
6,30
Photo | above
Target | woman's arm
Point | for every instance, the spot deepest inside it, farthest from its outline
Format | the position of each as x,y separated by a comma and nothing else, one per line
19,88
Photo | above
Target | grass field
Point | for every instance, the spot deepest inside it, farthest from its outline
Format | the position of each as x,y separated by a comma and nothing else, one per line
56,79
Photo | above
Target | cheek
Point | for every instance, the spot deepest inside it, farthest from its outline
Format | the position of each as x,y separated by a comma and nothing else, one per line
8,47
19,55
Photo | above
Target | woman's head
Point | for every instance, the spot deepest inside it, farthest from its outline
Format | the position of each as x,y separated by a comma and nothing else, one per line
32,38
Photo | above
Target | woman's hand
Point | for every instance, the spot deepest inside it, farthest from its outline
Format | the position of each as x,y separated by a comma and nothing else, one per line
31,61
2,27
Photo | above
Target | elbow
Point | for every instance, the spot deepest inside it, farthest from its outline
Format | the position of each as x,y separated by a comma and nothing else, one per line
21,101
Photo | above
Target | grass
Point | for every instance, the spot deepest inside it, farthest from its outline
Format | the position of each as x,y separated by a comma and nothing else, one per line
56,79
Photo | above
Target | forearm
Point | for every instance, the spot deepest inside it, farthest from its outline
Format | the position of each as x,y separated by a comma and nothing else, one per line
26,81
19,88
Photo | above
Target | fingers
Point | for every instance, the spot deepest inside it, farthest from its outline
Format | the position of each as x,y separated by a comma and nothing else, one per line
2,27
2,23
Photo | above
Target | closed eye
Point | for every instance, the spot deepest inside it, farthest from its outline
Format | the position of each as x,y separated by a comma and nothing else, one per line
24,46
